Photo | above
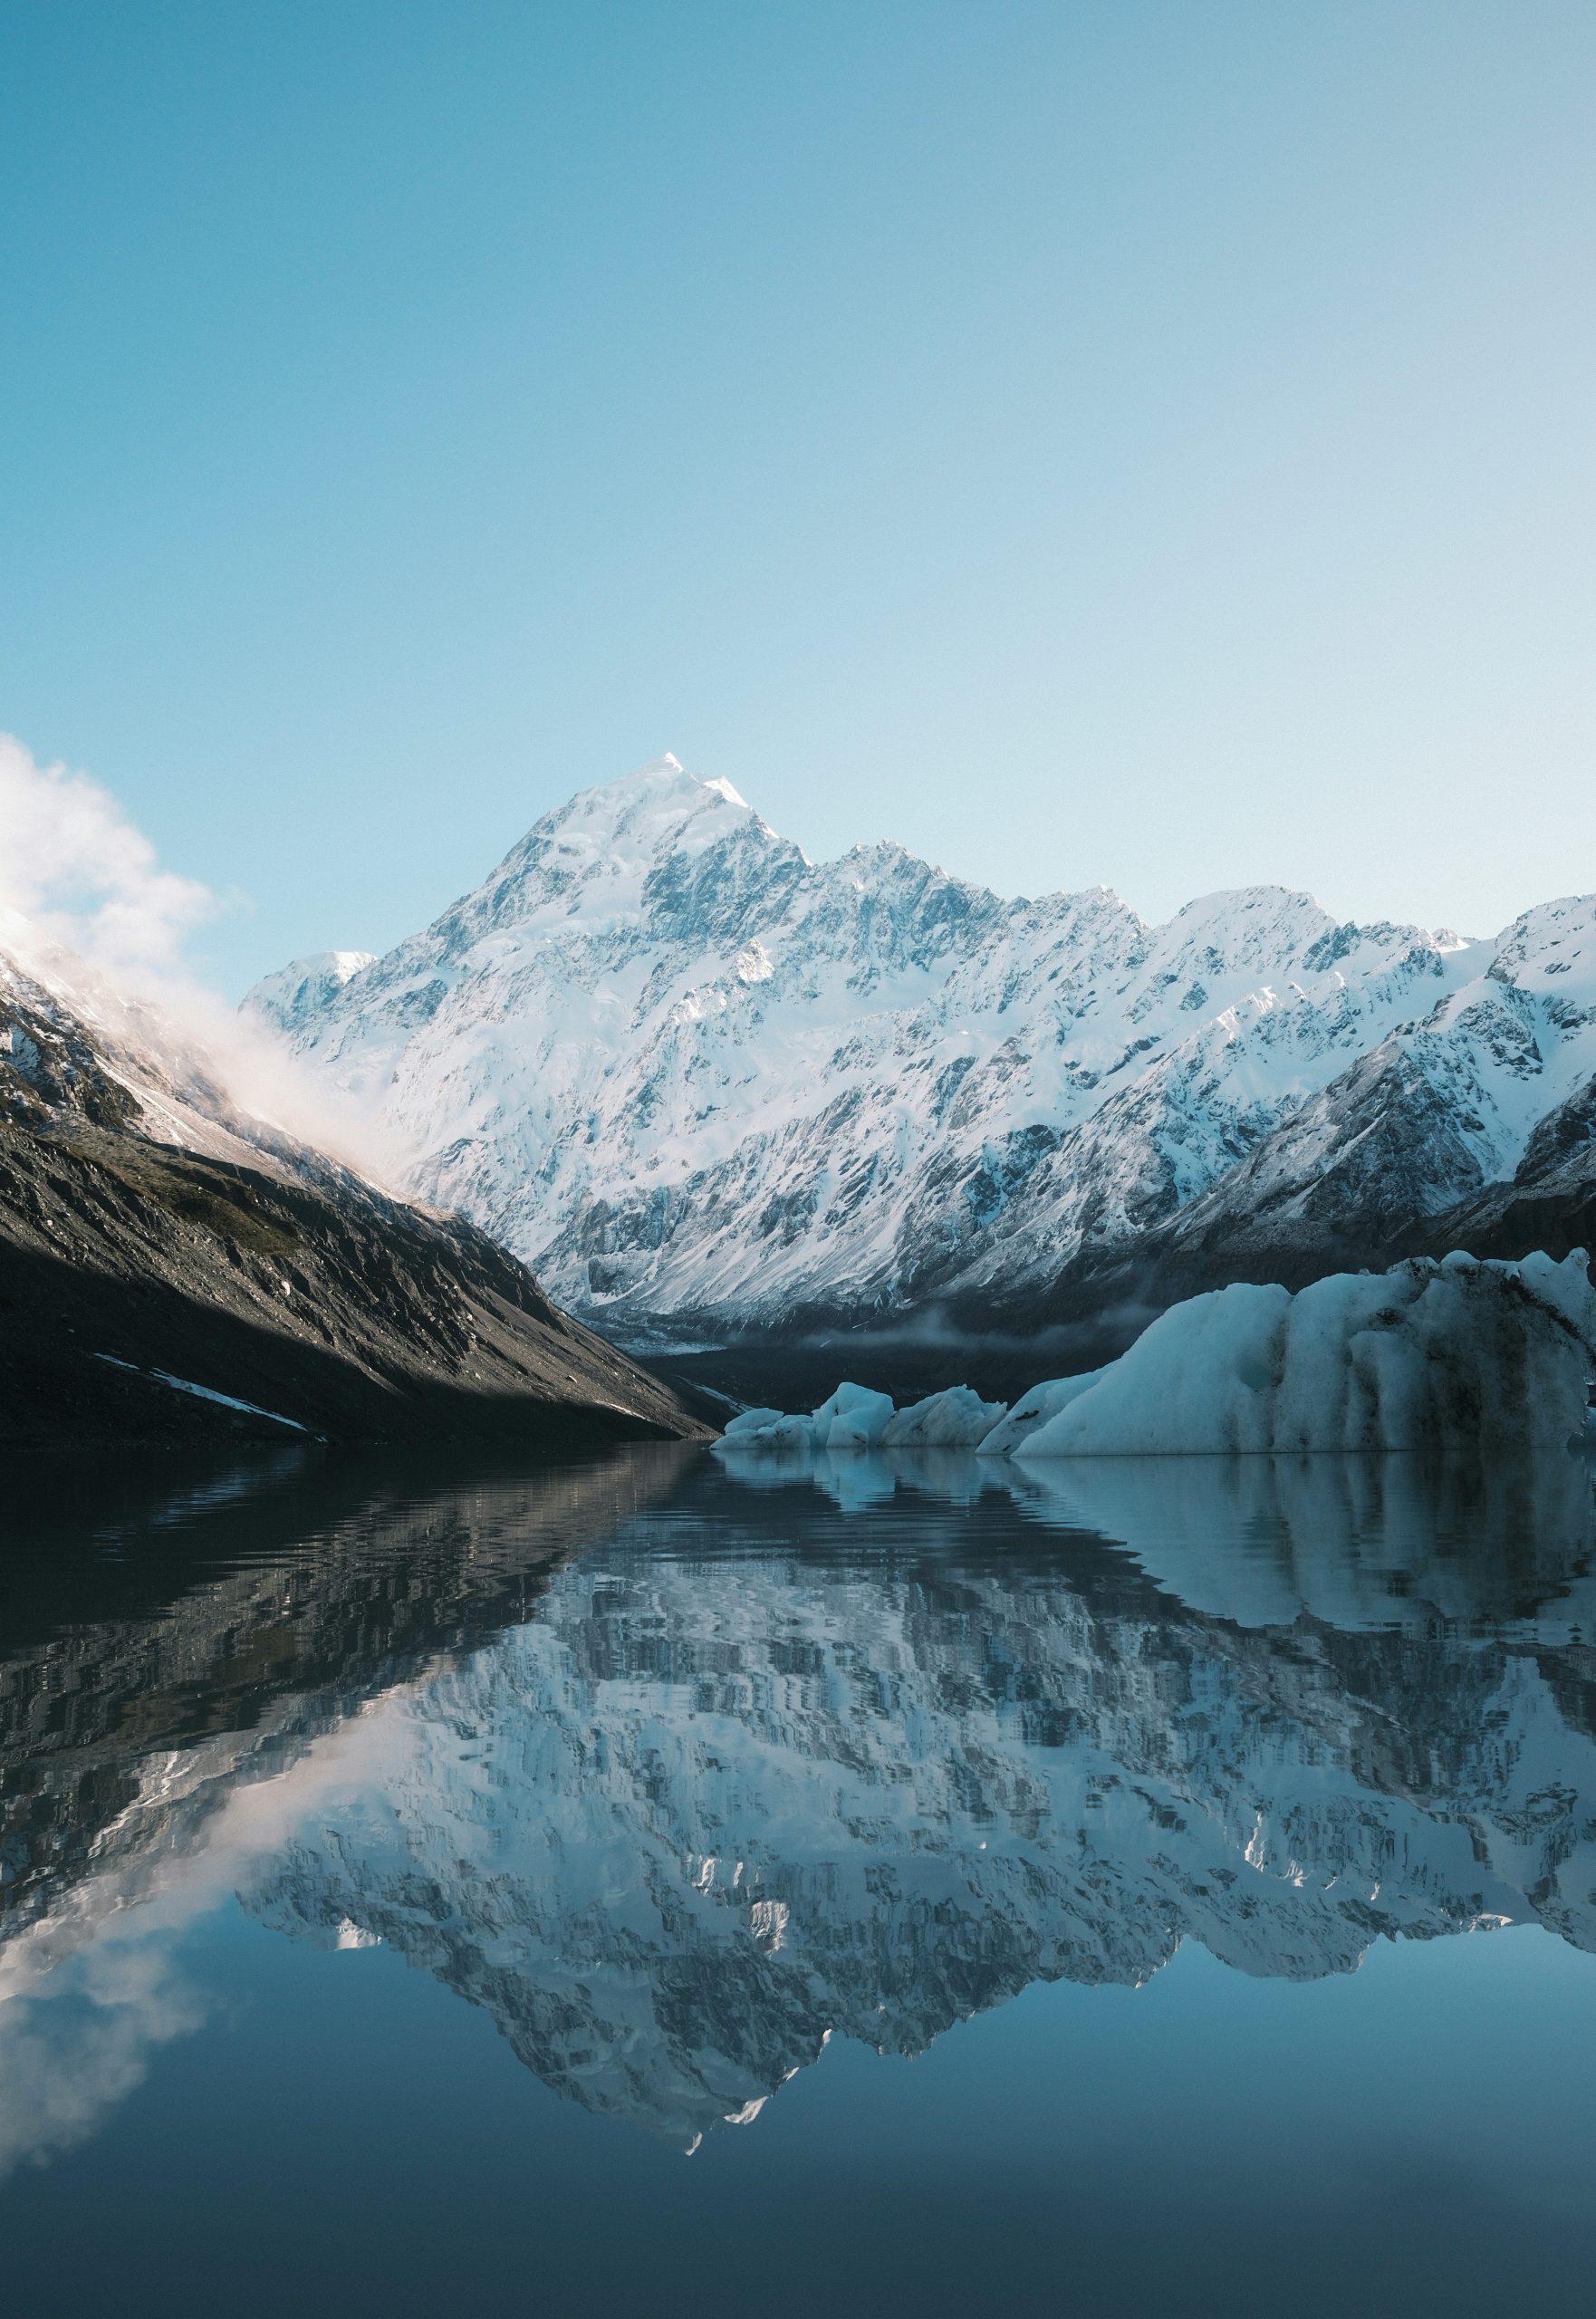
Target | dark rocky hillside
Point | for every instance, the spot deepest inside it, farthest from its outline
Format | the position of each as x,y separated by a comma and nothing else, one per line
134,1270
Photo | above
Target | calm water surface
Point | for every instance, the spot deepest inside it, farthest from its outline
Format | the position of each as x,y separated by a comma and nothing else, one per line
641,1887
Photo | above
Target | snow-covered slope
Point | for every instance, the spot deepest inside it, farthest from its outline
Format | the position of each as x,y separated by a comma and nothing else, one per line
295,995
694,1077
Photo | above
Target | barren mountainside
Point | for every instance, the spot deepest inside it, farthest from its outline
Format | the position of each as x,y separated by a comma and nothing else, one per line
172,1267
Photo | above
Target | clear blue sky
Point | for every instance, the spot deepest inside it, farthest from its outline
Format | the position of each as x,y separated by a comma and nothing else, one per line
1137,442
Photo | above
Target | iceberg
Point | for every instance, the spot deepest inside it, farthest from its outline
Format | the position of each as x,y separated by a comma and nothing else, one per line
1454,1354
771,1431
1429,1354
955,1418
749,1422
1032,1411
854,1418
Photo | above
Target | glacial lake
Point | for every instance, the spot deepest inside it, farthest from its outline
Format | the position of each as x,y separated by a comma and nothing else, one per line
649,1886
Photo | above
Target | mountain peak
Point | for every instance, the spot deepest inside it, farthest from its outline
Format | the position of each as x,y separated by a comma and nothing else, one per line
666,770
653,809
665,777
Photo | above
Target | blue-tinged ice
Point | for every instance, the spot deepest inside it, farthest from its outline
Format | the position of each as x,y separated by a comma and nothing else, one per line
854,1418
1428,1354
1032,1411
955,1418
750,1421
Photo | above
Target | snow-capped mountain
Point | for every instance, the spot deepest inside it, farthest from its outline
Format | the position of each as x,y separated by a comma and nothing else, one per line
696,1079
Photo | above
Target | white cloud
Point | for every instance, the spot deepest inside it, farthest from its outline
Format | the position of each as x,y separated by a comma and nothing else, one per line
67,2069
80,881
90,1991
72,862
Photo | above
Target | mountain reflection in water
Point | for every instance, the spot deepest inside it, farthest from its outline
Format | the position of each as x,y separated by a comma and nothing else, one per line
677,1772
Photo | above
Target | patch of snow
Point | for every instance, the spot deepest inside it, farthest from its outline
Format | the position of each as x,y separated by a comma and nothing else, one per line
768,1921
200,1393
297,992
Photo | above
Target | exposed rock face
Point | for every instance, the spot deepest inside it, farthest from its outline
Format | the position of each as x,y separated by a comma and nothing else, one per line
688,1814
169,1266
705,1085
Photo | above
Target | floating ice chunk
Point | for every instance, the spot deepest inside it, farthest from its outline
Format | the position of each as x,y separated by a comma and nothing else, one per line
749,1422
788,1433
1198,1379
1426,1354
1034,1409
854,1418
955,1418
773,1431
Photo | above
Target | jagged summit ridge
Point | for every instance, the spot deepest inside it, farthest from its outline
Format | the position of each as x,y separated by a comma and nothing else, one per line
697,1079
